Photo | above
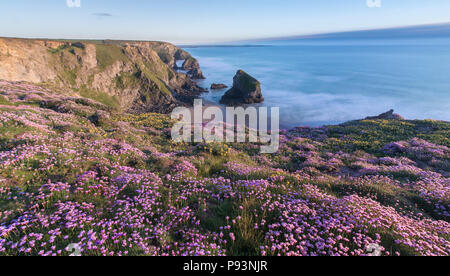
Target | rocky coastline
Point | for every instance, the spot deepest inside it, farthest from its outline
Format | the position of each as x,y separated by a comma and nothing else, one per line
133,76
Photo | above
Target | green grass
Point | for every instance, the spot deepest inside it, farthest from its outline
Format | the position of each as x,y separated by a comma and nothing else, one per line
154,120
100,96
59,49
126,80
4,101
160,84
69,76
107,55
8,132
373,135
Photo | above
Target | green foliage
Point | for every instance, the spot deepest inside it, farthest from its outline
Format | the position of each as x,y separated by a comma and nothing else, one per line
153,120
149,73
217,149
59,49
107,55
8,132
4,101
126,80
372,135
388,241
216,217
100,96
211,166
69,76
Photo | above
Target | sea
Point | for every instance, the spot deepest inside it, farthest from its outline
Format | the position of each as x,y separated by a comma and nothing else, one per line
327,80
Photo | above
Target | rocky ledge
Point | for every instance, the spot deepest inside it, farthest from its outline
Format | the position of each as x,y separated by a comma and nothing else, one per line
390,115
246,90
218,86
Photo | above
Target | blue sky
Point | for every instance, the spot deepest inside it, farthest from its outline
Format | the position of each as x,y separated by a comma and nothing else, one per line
203,21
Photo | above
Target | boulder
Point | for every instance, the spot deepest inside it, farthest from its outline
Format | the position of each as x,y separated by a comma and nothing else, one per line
217,86
246,90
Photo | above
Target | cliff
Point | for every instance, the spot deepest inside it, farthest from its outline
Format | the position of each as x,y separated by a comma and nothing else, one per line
134,77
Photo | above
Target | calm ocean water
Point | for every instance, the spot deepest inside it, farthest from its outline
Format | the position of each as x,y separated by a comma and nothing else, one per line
329,81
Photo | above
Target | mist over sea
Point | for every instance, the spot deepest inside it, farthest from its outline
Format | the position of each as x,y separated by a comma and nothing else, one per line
330,80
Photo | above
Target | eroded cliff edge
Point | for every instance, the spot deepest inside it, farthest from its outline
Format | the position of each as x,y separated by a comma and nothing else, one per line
134,77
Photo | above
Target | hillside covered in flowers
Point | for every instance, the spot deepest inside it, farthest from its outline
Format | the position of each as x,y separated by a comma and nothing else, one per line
74,171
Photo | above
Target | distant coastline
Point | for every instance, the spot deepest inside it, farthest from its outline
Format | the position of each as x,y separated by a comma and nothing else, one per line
430,30
221,46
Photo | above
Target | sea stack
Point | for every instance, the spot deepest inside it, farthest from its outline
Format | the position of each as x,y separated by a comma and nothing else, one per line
246,90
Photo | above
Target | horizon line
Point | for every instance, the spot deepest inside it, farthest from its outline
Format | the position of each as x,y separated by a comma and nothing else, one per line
225,42
313,35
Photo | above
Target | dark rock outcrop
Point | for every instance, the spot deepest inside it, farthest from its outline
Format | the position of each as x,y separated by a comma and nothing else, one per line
245,90
217,86
181,54
196,74
390,115
192,67
186,87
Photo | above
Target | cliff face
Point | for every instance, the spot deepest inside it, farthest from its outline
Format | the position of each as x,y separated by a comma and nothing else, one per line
192,67
134,77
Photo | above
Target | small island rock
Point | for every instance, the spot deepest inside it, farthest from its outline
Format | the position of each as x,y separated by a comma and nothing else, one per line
217,86
246,90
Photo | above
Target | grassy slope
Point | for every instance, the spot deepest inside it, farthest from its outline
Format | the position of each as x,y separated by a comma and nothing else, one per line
83,138
108,53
